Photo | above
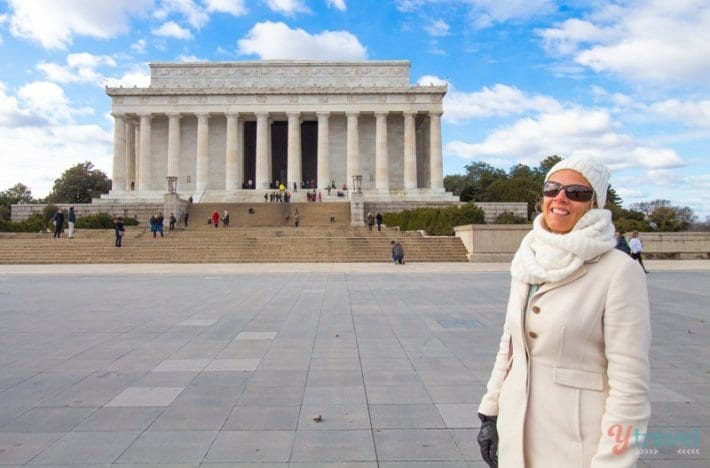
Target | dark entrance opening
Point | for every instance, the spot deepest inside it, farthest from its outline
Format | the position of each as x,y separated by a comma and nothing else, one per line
309,152
279,150
249,152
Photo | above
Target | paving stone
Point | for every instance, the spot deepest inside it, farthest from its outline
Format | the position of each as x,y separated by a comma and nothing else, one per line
251,446
169,447
335,445
20,447
263,418
89,447
48,420
146,396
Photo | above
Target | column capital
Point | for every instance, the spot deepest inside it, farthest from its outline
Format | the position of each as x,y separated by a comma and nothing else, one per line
148,115
173,115
435,113
118,115
352,113
293,114
233,115
382,113
261,115
409,112
323,114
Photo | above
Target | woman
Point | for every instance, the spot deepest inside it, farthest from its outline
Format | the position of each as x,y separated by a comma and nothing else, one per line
571,378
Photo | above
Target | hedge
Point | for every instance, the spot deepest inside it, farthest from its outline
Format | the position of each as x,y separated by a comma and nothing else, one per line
435,221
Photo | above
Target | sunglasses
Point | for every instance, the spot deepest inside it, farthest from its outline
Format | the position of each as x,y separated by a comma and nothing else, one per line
578,193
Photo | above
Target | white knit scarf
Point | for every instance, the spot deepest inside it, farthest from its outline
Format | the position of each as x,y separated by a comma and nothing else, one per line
547,257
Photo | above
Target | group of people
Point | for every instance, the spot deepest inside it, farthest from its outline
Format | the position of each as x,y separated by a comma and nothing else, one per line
634,247
373,219
58,221
214,218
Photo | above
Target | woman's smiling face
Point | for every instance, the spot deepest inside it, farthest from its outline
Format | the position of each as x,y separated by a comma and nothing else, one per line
559,212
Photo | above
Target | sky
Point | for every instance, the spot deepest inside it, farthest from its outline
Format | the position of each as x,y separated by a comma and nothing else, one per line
626,82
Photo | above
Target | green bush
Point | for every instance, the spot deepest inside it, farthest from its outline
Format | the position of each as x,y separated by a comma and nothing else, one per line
435,221
34,223
508,217
101,221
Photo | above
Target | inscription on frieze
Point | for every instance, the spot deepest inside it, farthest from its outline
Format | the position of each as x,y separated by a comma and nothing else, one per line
279,74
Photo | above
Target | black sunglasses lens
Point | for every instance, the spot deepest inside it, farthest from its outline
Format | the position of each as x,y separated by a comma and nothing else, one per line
551,189
579,193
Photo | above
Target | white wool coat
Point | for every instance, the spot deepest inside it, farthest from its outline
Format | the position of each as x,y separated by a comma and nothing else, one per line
571,366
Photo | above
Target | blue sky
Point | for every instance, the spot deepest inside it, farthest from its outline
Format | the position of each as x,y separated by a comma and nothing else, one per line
623,81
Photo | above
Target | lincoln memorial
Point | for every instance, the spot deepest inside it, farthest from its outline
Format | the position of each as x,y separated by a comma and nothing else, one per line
222,132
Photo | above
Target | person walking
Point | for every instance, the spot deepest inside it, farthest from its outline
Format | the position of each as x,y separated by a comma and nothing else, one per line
160,220
70,222
296,218
572,372
173,221
378,220
225,218
370,221
215,218
58,224
185,218
636,247
119,230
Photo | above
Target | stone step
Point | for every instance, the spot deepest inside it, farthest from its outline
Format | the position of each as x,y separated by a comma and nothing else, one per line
231,245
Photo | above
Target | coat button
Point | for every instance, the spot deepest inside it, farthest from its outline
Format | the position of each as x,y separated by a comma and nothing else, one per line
532,334
536,310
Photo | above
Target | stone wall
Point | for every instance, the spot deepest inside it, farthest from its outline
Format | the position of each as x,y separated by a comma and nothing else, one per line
498,242
142,211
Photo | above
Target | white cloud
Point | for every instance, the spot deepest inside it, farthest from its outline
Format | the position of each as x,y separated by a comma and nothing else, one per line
138,75
234,7
80,67
53,23
487,12
337,4
500,100
48,99
270,40
566,132
139,46
647,41
692,113
193,14
437,28
38,124
287,7
431,80
172,29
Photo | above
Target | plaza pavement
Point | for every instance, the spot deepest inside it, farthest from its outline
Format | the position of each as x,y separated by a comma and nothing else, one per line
293,365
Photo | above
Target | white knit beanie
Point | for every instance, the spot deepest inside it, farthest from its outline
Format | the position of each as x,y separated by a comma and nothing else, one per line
596,173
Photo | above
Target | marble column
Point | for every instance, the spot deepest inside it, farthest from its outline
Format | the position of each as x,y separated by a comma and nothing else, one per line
294,172
145,174
353,149
382,173
119,154
130,153
173,145
234,171
410,152
263,173
203,163
436,170
323,150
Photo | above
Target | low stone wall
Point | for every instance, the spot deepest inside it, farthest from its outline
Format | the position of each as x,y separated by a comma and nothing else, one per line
491,210
498,242
141,211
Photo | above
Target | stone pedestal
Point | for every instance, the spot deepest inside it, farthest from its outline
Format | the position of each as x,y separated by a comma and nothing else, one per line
171,204
357,209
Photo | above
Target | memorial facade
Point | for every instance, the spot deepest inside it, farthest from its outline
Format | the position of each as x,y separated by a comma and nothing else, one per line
217,131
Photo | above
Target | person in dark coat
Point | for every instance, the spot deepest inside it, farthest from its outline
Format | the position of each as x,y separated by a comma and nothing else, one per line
58,224
119,229
378,220
621,243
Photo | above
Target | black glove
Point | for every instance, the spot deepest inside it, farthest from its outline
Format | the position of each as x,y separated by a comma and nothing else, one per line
488,439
